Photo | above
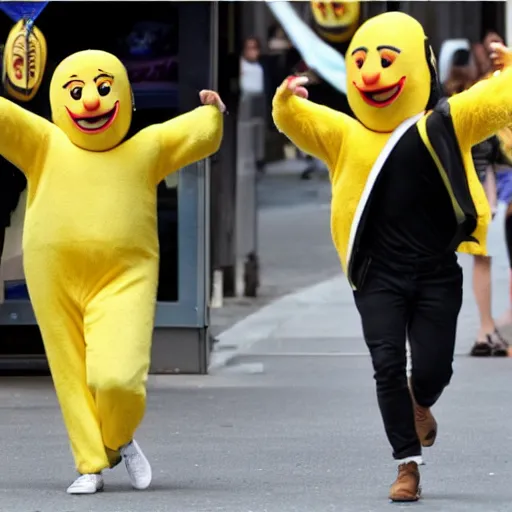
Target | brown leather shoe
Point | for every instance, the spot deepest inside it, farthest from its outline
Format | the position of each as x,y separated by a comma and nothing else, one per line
426,424
407,483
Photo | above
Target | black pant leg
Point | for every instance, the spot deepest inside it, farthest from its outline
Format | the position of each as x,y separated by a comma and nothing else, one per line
432,332
384,303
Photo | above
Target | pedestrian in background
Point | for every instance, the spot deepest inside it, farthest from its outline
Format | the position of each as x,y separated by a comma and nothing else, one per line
486,156
503,171
253,102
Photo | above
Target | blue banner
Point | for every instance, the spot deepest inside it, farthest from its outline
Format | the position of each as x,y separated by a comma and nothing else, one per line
323,59
23,10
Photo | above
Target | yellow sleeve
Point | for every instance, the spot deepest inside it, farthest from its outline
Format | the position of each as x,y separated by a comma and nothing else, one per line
315,129
23,137
482,110
188,138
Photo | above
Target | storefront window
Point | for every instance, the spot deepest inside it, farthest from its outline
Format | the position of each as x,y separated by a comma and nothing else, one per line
144,35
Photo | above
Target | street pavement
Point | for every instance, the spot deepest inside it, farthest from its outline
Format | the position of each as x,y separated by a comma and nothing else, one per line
294,241
303,435
281,187
290,424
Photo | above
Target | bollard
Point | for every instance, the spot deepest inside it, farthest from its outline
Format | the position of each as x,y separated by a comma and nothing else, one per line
250,152
251,275
217,290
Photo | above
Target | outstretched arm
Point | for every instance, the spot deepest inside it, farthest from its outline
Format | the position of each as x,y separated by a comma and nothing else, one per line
190,137
23,137
313,128
485,108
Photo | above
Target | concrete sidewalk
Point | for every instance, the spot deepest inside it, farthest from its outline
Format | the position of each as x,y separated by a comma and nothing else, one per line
294,240
326,312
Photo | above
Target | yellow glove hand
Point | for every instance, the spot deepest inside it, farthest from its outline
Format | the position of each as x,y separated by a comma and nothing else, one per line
293,85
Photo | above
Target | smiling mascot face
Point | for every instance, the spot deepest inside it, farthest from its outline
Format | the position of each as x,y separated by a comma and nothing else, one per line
336,21
388,77
91,99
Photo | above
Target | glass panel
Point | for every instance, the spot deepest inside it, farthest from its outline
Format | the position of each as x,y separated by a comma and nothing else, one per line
145,36
13,199
148,46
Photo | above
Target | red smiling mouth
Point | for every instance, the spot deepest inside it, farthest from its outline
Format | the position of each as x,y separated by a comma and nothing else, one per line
94,124
382,97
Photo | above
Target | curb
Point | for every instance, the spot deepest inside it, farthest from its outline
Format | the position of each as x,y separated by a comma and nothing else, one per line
260,325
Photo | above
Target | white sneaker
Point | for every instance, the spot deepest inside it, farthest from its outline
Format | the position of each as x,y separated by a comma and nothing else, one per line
86,484
138,467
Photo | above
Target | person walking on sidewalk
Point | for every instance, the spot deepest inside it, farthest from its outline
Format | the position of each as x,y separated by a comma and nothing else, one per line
487,155
405,198
503,173
489,340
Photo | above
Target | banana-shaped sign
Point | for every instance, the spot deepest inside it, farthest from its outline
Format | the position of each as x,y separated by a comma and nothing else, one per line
24,61
323,59
25,51
336,21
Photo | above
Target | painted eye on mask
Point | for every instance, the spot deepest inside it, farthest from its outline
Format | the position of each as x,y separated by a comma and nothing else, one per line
104,89
385,63
322,8
338,8
387,57
359,58
76,93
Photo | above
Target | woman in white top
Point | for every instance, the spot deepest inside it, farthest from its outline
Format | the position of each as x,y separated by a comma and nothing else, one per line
251,71
252,98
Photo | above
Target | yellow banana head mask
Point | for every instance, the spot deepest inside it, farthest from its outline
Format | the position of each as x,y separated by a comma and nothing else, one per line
390,71
24,61
336,21
91,99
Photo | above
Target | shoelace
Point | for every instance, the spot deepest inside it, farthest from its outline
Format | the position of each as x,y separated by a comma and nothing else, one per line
85,479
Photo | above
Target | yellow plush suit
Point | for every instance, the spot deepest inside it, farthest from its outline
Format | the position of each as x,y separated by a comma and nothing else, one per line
391,51
90,240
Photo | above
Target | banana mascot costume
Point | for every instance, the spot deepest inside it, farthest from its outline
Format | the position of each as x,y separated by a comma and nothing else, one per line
91,248
401,173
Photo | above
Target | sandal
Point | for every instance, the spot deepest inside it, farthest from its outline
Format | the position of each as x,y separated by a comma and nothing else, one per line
482,348
499,346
